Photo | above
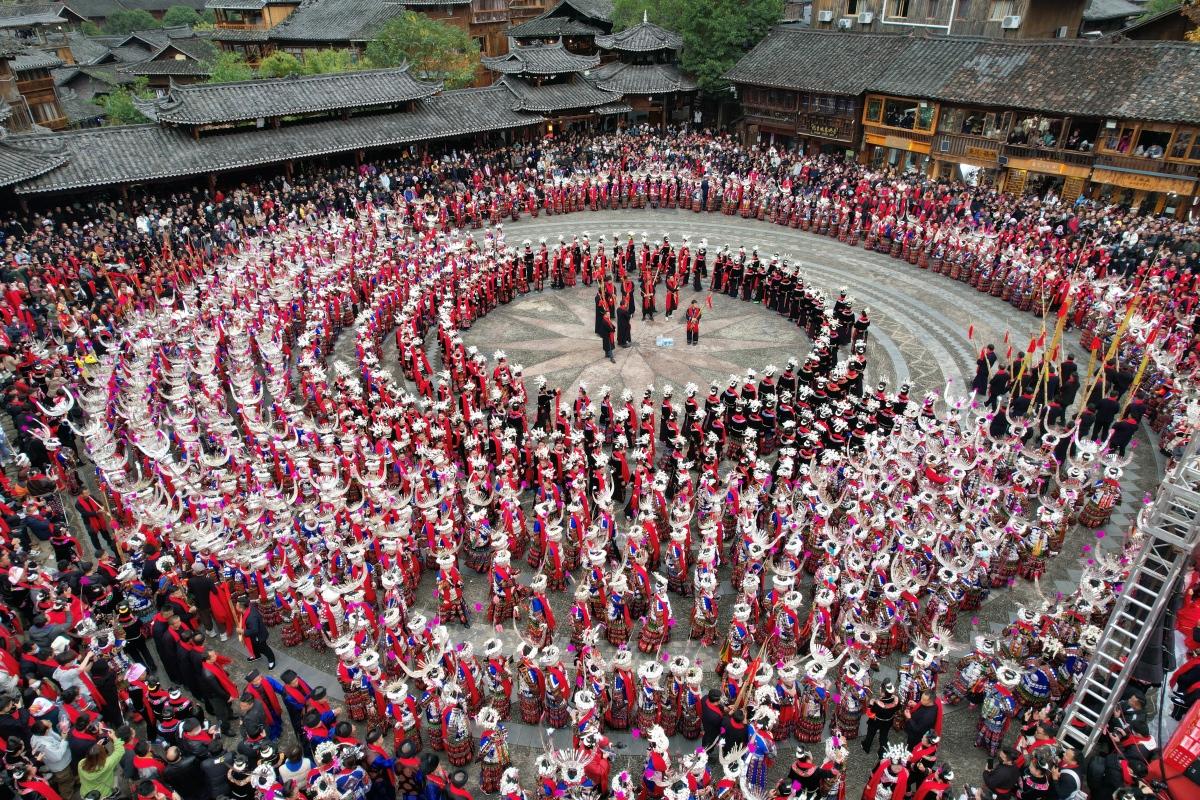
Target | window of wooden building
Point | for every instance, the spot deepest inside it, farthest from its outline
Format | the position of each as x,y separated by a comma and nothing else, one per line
1117,137
778,99
974,122
899,112
899,8
828,105
1185,146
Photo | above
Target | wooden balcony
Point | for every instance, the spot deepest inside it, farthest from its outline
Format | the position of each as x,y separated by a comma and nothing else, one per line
489,17
261,25
898,133
979,148
1154,165
1078,158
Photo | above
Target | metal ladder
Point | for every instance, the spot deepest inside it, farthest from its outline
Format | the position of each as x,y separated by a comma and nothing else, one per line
1172,531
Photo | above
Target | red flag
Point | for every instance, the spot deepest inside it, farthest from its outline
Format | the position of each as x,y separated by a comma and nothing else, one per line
708,301
1041,340
1008,354
1006,337
1054,355
971,332
1032,345
1095,343
1062,309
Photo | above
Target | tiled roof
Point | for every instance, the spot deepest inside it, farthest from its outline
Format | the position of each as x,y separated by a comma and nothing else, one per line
93,9
1106,10
568,18
25,157
168,66
35,59
641,78
237,5
87,50
203,104
556,96
22,16
546,27
432,3
78,109
162,5
130,153
644,37
540,59
1128,80
5,110
239,35
335,21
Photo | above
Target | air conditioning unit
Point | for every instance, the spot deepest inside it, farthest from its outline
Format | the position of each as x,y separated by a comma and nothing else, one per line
1061,33
944,146
1002,161
1011,23
866,17
845,24
825,16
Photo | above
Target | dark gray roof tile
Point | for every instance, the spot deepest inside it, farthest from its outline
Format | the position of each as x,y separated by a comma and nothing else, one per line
542,59
1131,80
210,103
553,97
25,157
644,37
130,153
336,21
641,78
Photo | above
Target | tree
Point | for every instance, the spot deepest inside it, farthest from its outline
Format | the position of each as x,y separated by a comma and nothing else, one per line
121,22
716,33
1156,7
229,68
118,104
180,15
323,62
435,50
280,65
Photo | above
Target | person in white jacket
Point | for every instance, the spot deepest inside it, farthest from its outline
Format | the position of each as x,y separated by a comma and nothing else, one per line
55,754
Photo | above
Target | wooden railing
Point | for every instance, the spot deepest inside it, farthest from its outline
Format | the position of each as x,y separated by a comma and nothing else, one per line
898,133
487,17
241,26
1076,157
1143,164
959,144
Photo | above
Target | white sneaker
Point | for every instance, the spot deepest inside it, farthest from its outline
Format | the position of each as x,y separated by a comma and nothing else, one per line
224,637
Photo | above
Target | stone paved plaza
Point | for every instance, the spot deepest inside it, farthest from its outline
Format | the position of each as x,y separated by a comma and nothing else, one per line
918,332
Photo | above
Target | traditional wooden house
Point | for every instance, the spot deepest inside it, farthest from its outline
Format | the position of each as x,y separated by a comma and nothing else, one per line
1118,121
204,130
574,23
549,79
645,73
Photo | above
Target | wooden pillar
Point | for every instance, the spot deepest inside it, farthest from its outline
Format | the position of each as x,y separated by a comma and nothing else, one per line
289,167
212,182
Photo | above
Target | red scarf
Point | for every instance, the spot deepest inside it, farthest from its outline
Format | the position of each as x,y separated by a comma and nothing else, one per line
222,678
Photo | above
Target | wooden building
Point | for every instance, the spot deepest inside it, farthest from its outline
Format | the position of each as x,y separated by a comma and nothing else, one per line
204,130
646,74
995,19
1119,121
548,79
575,23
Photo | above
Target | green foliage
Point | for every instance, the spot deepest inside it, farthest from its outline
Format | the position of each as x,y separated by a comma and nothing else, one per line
229,68
716,33
126,21
1155,7
280,65
324,62
90,28
435,50
118,105
180,15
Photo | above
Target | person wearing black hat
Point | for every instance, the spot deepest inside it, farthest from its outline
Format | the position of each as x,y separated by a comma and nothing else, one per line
296,693
437,782
881,713
252,713
239,778
135,639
